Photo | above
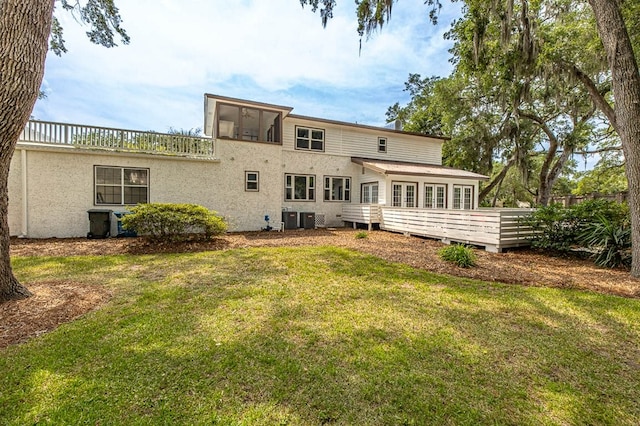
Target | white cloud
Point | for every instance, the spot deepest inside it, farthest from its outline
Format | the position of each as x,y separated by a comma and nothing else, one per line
272,51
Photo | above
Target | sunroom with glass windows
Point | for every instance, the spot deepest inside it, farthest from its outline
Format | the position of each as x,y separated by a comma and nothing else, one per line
238,119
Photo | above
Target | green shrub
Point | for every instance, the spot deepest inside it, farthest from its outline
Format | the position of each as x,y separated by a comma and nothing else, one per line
459,254
610,241
362,234
174,222
560,228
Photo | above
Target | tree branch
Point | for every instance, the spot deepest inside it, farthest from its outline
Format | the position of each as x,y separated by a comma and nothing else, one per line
498,179
597,97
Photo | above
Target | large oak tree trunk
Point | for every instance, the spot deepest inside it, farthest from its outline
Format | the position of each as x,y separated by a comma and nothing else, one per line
25,26
626,92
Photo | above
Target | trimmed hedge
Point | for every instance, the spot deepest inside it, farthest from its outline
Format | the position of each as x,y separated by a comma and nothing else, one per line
174,222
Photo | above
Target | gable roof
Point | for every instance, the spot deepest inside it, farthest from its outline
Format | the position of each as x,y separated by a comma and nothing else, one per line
415,169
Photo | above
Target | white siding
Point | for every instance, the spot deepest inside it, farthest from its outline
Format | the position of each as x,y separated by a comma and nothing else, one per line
363,142
370,176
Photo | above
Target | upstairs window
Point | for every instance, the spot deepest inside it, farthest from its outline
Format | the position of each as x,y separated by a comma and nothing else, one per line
337,188
299,187
121,185
382,144
309,139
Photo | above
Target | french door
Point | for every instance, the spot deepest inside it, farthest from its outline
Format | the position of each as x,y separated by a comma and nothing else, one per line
462,197
404,194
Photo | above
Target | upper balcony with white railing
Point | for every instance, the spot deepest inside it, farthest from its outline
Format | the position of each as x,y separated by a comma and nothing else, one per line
104,138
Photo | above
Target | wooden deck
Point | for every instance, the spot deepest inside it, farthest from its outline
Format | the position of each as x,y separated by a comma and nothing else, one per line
495,229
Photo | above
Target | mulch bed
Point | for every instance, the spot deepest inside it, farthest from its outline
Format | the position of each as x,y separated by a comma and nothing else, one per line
56,302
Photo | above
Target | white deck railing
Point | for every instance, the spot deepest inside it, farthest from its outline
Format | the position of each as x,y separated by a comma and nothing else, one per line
92,137
361,213
495,229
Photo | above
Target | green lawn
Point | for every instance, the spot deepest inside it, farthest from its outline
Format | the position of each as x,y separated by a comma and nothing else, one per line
320,335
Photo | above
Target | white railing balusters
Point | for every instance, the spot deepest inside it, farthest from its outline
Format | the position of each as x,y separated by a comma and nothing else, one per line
116,139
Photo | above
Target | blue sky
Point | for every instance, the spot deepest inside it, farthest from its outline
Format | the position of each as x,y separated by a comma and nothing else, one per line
269,51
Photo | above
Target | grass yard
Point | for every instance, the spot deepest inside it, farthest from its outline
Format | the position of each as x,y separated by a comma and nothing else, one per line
319,335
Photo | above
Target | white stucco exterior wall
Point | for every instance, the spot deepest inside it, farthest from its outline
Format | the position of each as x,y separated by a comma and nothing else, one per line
320,166
61,186
15,194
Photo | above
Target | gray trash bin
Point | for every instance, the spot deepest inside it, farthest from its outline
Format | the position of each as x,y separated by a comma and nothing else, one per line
99,223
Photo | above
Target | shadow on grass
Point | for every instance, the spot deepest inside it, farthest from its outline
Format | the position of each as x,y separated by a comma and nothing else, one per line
322,335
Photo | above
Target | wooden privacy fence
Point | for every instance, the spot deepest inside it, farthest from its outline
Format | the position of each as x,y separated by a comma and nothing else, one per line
495,229
570,200
92,137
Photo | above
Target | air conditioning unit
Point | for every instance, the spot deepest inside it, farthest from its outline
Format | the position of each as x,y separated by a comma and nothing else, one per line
320,220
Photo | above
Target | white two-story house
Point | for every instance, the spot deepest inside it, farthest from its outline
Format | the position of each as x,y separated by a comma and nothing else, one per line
256,160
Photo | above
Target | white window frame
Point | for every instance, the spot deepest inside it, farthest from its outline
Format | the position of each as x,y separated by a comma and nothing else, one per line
290,187
248,180
407,195
382,145
309,139
329,194
434,201
123,185
462,197
369,193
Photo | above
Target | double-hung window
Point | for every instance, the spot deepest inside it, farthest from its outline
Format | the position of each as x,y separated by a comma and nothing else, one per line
462,197
435,196
121,185
309,139
251,181
369,193
299,187
337,188
382,144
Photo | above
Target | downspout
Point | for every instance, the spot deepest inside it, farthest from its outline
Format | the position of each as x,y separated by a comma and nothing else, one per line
25,203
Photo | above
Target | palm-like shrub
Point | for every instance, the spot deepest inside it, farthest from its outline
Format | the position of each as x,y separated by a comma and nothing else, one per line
561,229
610,241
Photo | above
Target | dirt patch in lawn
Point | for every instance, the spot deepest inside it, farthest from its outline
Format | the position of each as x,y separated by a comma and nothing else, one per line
56,302
52,303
